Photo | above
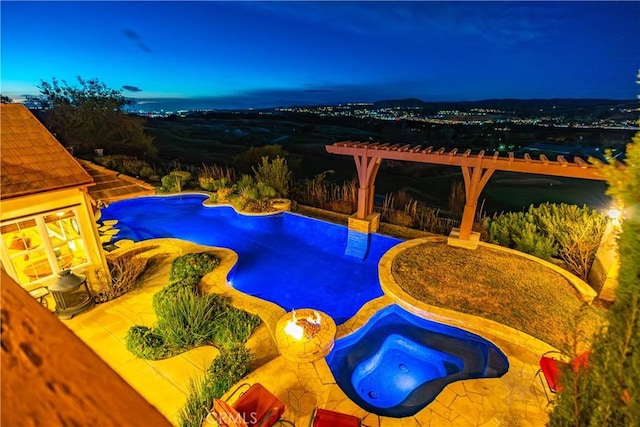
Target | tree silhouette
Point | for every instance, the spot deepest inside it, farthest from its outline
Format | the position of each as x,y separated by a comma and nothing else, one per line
91,115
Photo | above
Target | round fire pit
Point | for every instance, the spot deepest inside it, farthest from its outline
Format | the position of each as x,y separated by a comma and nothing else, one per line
305,335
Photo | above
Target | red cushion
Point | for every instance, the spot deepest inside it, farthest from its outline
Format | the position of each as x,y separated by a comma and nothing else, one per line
326,418
257,403
551,368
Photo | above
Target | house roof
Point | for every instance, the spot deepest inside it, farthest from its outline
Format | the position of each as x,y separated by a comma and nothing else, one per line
112,186
31,159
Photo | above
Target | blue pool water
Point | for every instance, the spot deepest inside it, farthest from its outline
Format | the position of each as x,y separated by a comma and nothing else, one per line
397,363
291,260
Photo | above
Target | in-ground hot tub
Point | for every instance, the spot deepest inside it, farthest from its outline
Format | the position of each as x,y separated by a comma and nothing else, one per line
398,363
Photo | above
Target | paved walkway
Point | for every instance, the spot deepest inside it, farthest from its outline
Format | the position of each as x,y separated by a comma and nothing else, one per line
514,399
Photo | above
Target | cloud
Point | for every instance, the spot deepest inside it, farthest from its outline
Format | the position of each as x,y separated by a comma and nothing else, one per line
145,47
135,37
131,88
131,34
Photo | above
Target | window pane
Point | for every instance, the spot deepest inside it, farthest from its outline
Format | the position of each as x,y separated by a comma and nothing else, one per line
66,240
21,236
32,266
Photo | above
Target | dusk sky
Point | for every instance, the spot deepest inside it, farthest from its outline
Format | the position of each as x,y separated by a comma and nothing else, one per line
244,54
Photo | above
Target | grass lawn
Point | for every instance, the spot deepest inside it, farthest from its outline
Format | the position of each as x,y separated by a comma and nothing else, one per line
506,288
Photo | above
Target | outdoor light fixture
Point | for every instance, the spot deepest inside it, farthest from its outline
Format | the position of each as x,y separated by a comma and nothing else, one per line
614,214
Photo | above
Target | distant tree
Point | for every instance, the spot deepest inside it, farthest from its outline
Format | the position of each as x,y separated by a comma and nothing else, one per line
252,158
607,392
6,99
91,115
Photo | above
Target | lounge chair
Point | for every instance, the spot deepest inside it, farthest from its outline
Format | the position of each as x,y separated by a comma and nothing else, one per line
256,406
551,368
327,418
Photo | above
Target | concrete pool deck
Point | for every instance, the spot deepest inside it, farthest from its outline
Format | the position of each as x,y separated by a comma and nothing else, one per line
514,399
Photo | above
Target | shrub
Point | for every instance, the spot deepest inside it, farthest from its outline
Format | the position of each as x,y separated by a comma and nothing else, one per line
569,232
186,319
400,218
170,292
533,241
145,343
254,155
175,182
227,369
211,184
192,265
224,194
125,164
147,171
275,174
125,271
240,324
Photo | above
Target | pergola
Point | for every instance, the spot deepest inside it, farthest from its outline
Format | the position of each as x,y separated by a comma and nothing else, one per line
476,170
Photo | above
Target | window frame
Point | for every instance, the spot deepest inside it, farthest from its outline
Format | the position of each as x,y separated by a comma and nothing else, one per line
49,251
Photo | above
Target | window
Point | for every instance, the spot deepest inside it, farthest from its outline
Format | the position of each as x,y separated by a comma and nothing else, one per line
39,247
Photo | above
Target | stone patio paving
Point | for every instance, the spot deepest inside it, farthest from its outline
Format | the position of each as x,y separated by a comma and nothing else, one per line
514,399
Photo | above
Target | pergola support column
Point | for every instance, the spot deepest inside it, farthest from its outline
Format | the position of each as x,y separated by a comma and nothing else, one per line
364,221
367,168
475,178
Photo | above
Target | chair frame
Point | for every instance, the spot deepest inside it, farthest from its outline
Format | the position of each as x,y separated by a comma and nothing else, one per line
563,361
543,379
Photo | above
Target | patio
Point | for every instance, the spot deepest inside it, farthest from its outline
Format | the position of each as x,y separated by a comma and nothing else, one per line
513,399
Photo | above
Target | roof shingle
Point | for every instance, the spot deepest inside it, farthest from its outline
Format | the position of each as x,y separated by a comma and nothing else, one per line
31,159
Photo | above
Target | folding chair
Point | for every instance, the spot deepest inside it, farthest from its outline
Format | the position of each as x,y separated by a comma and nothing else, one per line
256,406
551,369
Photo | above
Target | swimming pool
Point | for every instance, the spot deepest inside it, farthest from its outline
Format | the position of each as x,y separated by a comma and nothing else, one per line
291,260
398,363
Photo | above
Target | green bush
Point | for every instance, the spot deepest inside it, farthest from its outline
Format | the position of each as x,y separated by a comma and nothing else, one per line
532,240
400,218
170,291
175,182
240,325
187,319
227,369
275,174
125,164
568,232
212,184
192,265
145,343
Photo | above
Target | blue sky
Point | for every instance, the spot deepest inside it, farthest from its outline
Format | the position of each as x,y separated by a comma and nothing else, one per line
257,54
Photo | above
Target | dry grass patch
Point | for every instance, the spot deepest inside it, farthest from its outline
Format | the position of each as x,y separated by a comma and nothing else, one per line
499,286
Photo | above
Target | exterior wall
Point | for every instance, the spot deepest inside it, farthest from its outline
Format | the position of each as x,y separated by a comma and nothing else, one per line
603,276
50,377
53,201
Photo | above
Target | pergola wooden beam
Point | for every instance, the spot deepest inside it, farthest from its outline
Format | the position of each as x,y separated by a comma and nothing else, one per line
476,170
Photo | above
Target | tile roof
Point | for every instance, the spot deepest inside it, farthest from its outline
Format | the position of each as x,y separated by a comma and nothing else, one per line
111,185
31,159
